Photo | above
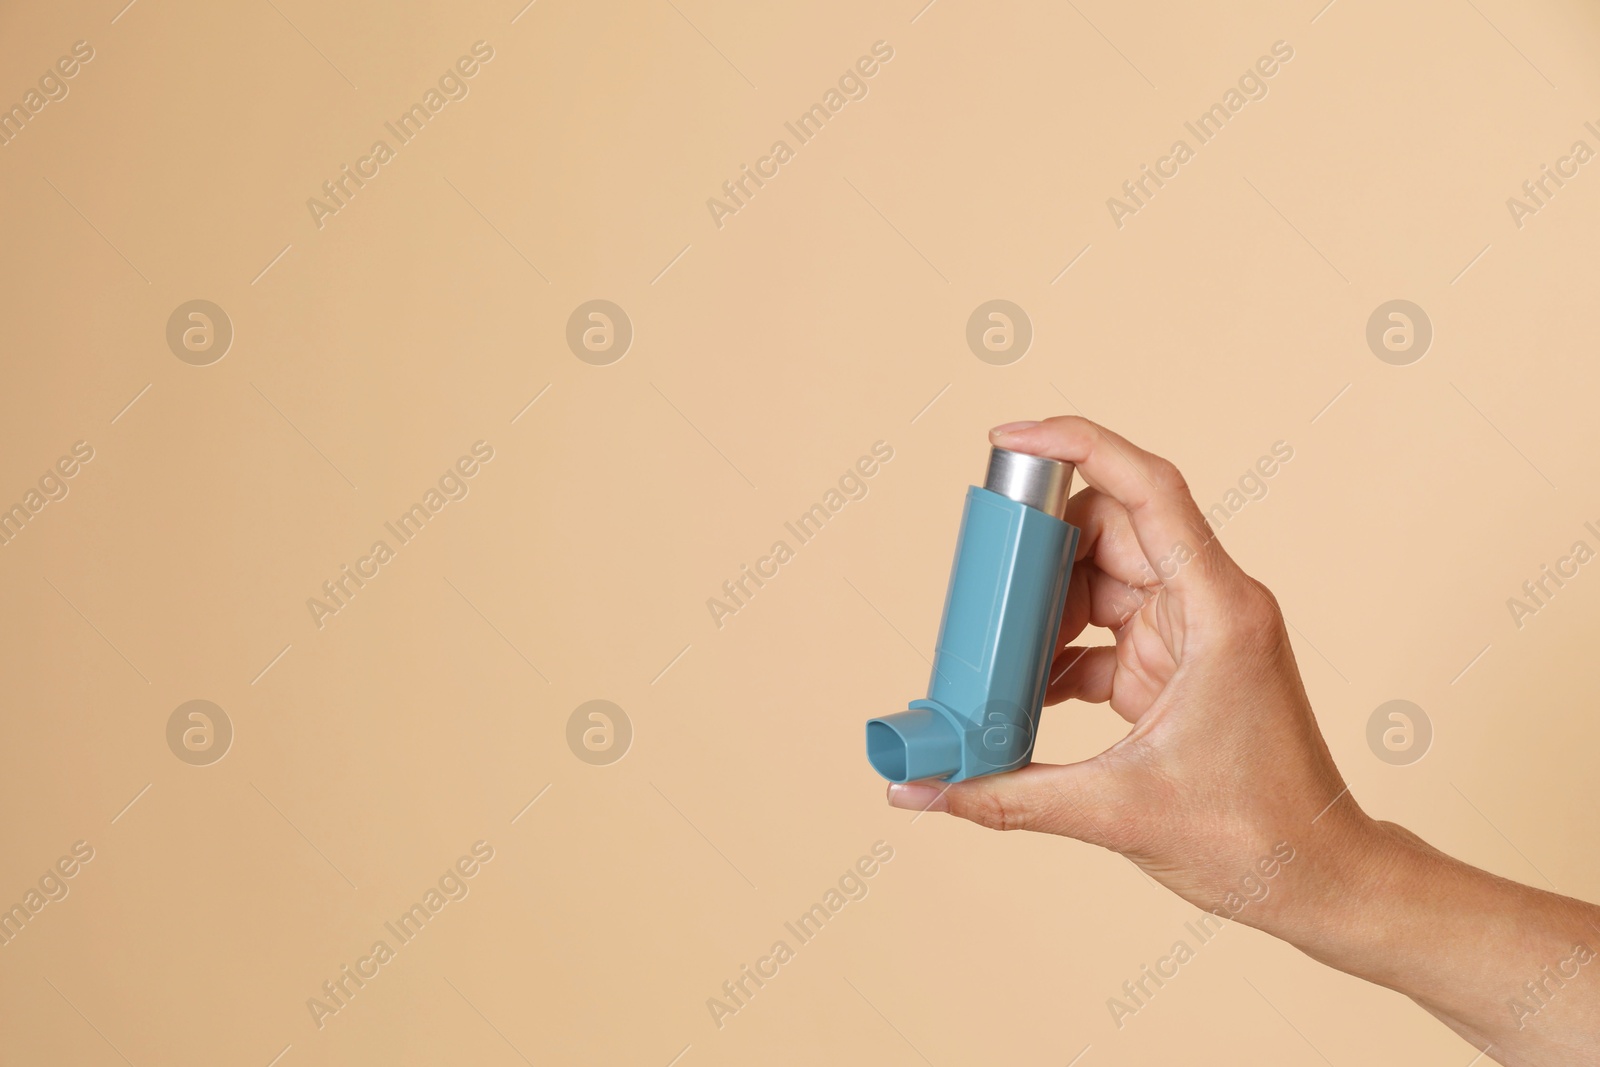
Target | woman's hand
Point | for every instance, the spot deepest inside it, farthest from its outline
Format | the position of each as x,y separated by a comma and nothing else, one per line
1224,791
1224,762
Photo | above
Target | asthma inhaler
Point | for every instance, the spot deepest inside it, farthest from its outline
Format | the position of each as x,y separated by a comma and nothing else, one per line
1002,616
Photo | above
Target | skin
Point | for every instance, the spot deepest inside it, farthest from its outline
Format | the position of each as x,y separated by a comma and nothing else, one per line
1224,762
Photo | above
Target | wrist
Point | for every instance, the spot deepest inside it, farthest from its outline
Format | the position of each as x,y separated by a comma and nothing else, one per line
1358,896
1376,901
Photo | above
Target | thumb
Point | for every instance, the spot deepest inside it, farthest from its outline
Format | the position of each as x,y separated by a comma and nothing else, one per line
1073,800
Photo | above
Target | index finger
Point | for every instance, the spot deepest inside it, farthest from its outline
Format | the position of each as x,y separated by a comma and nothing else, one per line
1176,540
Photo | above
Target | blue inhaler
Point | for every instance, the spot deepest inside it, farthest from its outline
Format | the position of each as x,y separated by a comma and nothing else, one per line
1002,615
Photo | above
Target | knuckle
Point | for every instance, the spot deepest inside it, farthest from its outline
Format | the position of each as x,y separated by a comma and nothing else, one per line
1256,617
1168,478
1268,596
993,810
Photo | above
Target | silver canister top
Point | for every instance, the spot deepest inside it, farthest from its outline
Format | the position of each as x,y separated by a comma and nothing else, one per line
1042,484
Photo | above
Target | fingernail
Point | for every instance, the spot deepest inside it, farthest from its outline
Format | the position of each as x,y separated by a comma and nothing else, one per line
918,796
1012,427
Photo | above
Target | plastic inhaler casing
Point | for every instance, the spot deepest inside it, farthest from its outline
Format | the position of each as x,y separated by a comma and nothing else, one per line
1002,616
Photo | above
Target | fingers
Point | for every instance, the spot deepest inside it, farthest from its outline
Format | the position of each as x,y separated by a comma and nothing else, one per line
1167,523
1082,674
1106,539
1044,797
1095,597
1112,601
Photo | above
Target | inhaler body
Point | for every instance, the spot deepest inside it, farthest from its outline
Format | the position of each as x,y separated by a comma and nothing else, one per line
1002,617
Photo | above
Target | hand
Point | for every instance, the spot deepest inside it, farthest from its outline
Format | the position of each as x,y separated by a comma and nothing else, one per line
1224,774
1224,762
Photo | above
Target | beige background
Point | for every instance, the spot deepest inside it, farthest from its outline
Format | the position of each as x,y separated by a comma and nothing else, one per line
370,754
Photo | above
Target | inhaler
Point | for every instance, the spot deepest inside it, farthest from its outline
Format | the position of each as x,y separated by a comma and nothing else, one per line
1002,617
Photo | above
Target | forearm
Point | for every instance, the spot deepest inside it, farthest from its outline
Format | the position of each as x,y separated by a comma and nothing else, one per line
1503,964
